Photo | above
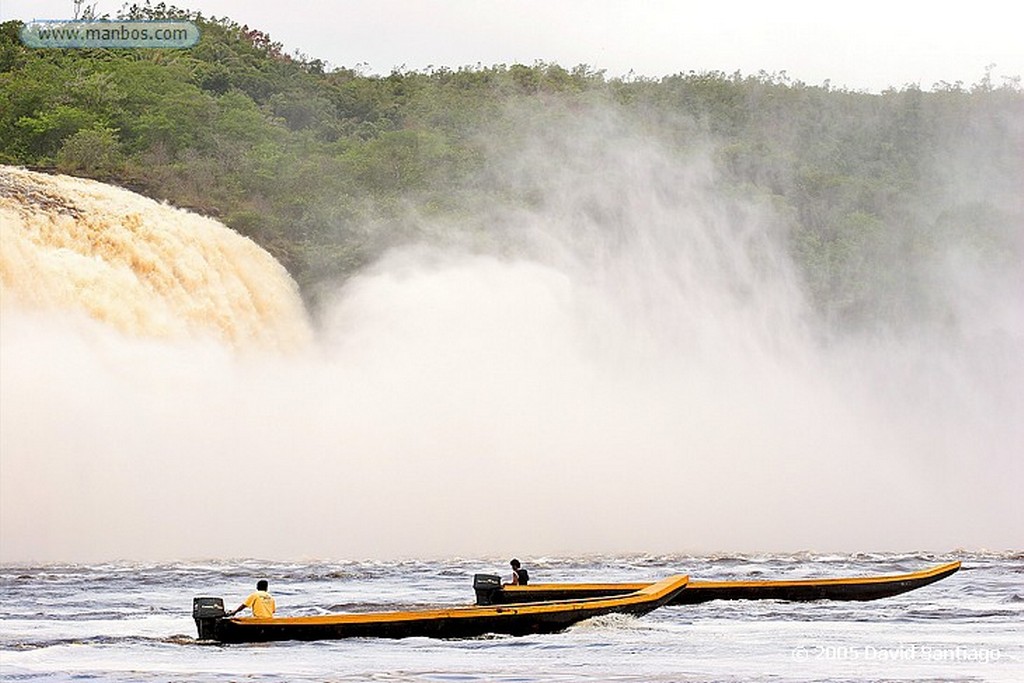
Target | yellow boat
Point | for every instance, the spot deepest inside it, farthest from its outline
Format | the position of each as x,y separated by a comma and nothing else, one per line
491,592
454,622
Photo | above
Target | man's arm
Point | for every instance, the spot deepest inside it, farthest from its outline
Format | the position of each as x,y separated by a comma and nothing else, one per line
244,605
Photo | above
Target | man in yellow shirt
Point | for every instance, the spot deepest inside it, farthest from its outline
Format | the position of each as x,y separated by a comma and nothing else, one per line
261,602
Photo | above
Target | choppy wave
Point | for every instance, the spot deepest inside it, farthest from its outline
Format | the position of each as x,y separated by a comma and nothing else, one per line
131,622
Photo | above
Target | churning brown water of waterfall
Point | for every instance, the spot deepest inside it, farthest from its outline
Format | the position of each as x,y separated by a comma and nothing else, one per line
144,268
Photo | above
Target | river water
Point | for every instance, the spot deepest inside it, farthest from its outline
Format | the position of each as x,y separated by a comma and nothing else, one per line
132,622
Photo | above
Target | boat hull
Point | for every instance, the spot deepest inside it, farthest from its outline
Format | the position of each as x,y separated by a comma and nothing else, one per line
458,622
801,590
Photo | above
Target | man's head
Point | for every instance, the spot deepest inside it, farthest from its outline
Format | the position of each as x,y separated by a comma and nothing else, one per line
514,563
262,585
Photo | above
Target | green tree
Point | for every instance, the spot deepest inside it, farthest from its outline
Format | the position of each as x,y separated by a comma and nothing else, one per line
94,152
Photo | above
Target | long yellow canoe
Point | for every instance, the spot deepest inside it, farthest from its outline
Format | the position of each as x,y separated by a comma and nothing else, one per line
454,622
858,588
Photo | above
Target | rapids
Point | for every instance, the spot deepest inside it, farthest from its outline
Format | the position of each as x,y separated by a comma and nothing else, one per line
144,268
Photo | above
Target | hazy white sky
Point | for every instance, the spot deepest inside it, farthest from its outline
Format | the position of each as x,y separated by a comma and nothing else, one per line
871,44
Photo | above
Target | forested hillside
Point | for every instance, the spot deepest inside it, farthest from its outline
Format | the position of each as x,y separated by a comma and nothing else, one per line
328,167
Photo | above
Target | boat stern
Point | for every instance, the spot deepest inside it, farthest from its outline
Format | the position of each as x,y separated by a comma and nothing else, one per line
206,612
486,587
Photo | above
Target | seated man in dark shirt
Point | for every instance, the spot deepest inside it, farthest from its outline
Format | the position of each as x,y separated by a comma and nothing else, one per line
520,577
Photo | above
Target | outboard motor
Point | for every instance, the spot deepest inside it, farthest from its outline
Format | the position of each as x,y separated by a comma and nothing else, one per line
486,585
206,612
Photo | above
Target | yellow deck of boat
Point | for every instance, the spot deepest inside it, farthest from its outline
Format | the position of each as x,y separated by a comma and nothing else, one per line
644,592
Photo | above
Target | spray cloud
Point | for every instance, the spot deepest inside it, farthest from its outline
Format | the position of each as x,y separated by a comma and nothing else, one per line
624,362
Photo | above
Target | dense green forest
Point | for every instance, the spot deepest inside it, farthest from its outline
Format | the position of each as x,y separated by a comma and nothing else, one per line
325,167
